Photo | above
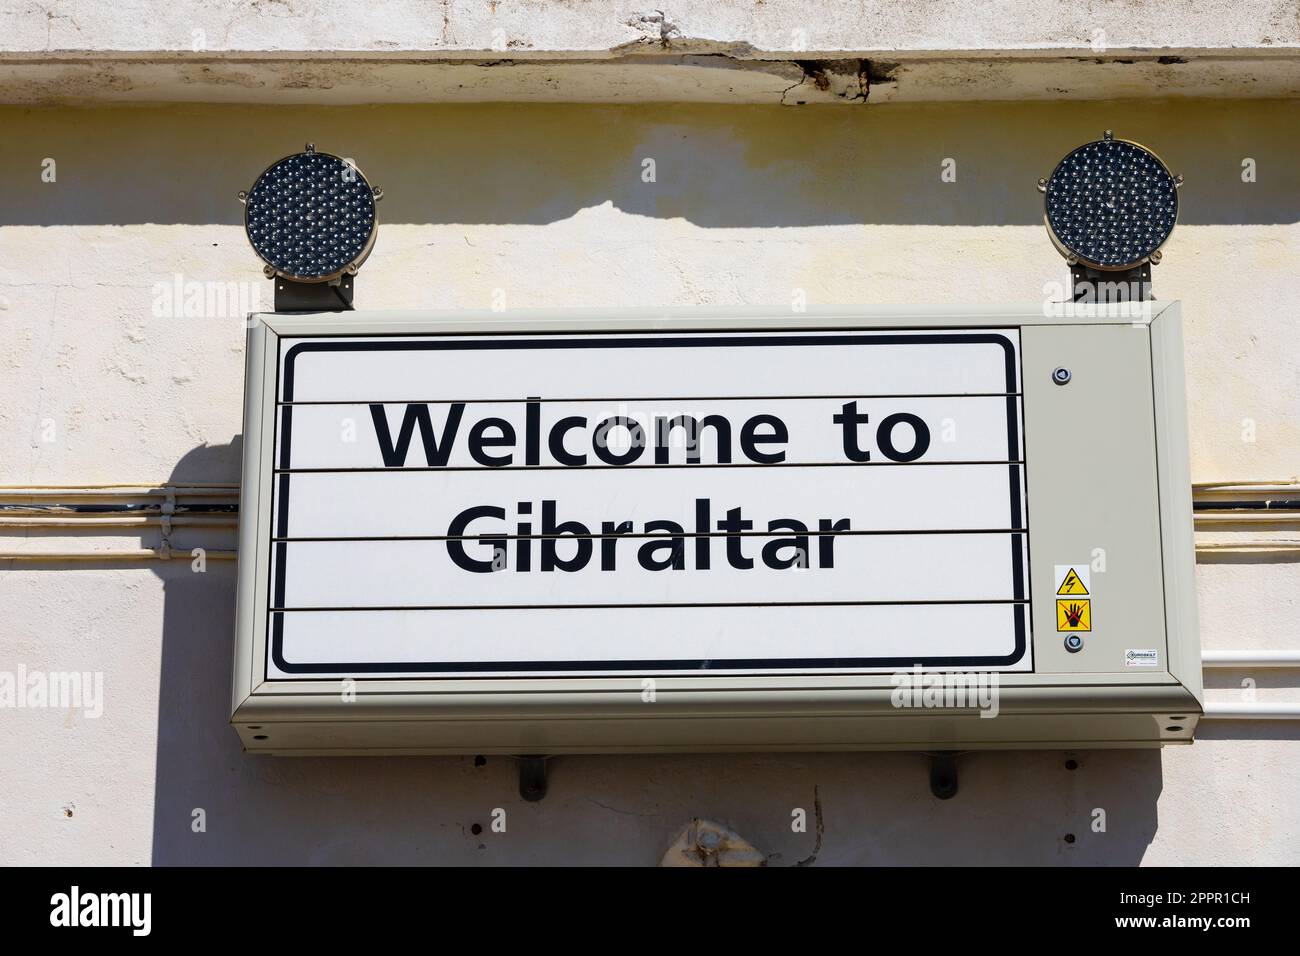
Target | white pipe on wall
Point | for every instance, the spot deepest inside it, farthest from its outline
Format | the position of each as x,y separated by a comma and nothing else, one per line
129,554
1256,711
53,515
1245,660
1283,658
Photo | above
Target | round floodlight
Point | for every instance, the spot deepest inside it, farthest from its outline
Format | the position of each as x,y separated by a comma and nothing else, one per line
1111,204
311,217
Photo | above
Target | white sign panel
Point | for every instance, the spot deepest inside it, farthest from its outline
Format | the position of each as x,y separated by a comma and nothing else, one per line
745,502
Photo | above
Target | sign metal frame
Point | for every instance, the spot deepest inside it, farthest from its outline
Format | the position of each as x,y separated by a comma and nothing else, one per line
1070,699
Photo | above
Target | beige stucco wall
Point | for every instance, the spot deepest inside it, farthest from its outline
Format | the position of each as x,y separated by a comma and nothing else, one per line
546,206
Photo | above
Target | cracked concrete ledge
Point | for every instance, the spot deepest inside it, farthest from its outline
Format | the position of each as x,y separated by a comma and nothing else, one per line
355,79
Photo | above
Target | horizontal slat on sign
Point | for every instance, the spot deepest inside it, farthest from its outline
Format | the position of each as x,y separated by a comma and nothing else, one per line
959,429
866,568
425,503
809,363
899,634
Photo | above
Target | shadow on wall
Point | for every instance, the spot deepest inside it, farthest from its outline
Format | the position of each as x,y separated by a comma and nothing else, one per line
537,164
1035,807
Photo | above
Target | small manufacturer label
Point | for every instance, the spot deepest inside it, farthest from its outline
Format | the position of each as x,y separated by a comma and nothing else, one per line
1141,658
1074,615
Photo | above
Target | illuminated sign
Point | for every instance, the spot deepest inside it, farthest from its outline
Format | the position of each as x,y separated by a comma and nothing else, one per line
645,531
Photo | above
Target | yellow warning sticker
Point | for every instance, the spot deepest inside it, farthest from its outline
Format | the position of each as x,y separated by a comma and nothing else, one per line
1074,615
1072,584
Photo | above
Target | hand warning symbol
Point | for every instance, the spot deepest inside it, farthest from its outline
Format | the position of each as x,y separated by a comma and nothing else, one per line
1074,615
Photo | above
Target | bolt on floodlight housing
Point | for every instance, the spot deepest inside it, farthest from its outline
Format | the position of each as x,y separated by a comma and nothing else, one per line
1109,207
311,219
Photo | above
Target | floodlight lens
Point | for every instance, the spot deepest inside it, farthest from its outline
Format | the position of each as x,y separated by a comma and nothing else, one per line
1111,203
310,216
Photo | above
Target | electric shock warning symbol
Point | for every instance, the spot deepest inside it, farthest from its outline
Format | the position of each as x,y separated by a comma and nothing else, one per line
1074,615
1072,584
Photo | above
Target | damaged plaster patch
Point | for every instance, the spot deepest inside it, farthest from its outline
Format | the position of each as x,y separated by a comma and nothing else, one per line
659,30
656,26
815,71
879,72
705,843
845,79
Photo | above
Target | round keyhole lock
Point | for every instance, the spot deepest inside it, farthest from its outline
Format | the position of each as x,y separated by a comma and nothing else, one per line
1073,643
1061,376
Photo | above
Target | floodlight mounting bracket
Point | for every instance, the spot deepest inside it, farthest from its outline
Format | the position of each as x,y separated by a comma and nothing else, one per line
943,774
334,295
1104,287
532,777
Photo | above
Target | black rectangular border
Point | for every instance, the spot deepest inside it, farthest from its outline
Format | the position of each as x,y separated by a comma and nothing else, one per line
284,426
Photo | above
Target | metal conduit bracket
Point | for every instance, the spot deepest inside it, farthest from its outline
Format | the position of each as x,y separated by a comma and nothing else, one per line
168,509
